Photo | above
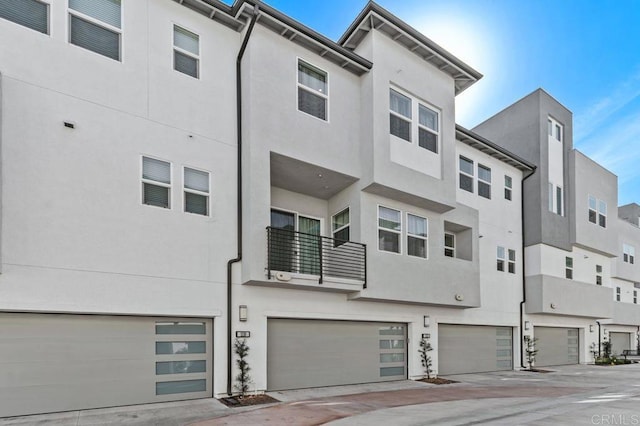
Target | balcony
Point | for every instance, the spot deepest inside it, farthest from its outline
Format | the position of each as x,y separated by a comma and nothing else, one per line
296,258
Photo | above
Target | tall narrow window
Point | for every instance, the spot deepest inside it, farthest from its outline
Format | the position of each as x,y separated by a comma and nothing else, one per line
428,128
559,201
635,296
512,261
593,205
599,274
156,182
449,244
313,90
400,115
186,52
551,197
389,229
568,270
96,25
508,187
466,174
602,213
196,191
416,236
32,14
618,294
484,181
501,260
340,224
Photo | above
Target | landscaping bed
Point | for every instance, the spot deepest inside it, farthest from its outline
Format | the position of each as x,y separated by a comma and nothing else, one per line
246,401
437,381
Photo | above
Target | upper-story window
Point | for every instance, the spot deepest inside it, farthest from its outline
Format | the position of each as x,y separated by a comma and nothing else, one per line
466,174
466,177
484,181
512,261
340,226
416,236
449,244
508,187
628,253
555,129
389,229
618,294
599,274
186,52
597,211
635,296
32,14
500,255
156,182
556,199
313,90
568,267
196,191
96,25
401,113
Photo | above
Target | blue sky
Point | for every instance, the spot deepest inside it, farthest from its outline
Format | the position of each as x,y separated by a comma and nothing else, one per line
584,53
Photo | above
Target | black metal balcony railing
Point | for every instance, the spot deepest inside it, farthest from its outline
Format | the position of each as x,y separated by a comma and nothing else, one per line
297,252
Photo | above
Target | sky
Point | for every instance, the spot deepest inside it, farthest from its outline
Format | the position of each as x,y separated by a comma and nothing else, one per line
585,53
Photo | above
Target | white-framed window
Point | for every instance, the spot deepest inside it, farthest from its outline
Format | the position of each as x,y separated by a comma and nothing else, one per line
340,227
186,52
508,187
449,244
313,90
628,253
511,267
599,274
484,181
593,209
501,258
635,296
33,14
602,213
96,25
555,129
196,191
618,294
156,182
556,199
466,174
389,229
402,109
417,234
568,267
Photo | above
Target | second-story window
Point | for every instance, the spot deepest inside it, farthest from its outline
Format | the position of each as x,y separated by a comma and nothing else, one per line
96,25
628,253
428,128
555,129
196,191
32,14
416,236
618,294
449,244
186,52
508,187
568,267
484,181
512,261
340,225
389,229
156,182
400,115
313,90
501,260
466,174
635,296
599,274
602,213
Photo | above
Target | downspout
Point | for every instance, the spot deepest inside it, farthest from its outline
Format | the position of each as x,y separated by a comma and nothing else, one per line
599,338
239,193
524,290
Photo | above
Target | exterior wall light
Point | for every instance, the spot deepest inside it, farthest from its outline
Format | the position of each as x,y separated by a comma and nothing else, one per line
527,325
426,320
242,313
591,328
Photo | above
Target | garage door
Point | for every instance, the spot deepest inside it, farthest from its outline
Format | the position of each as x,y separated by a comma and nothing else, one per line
619,342
556,346
311,353
54,363
474,349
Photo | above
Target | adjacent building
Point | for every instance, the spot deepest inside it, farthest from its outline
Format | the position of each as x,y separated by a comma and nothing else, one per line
179,174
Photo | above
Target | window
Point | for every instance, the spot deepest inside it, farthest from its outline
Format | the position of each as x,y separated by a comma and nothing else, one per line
428,128
449,244
313,90
196,191
466,174
96,25
618,294
555,129
628,253
389,229
484,181
512,261
602,213
400,115
593,214
568,271
32,14
186,52
156,182
599,274
508,187
635,296
501,258
556,199
559,202
340,224
416,236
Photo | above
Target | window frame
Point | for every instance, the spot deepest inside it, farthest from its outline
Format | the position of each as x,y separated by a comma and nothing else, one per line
302,86
511,263
555,129
418,237
461,172
341,228
99,23
398,232
451,247
185,190
508,188
414,120
185,52
483,181
427,128
628,253
602,217
599,274
46,3
501,260
568,267
169,185
593,209
635,297
618,294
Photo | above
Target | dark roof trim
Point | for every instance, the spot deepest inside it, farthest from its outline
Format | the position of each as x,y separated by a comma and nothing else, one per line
216,10
476,141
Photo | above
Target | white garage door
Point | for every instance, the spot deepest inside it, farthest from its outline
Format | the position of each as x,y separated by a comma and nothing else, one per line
312,353
619,342
54,363
474,349
556,346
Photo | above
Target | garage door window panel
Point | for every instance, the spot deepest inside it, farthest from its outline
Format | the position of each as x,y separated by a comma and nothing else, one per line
181,367
176,348
181,386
